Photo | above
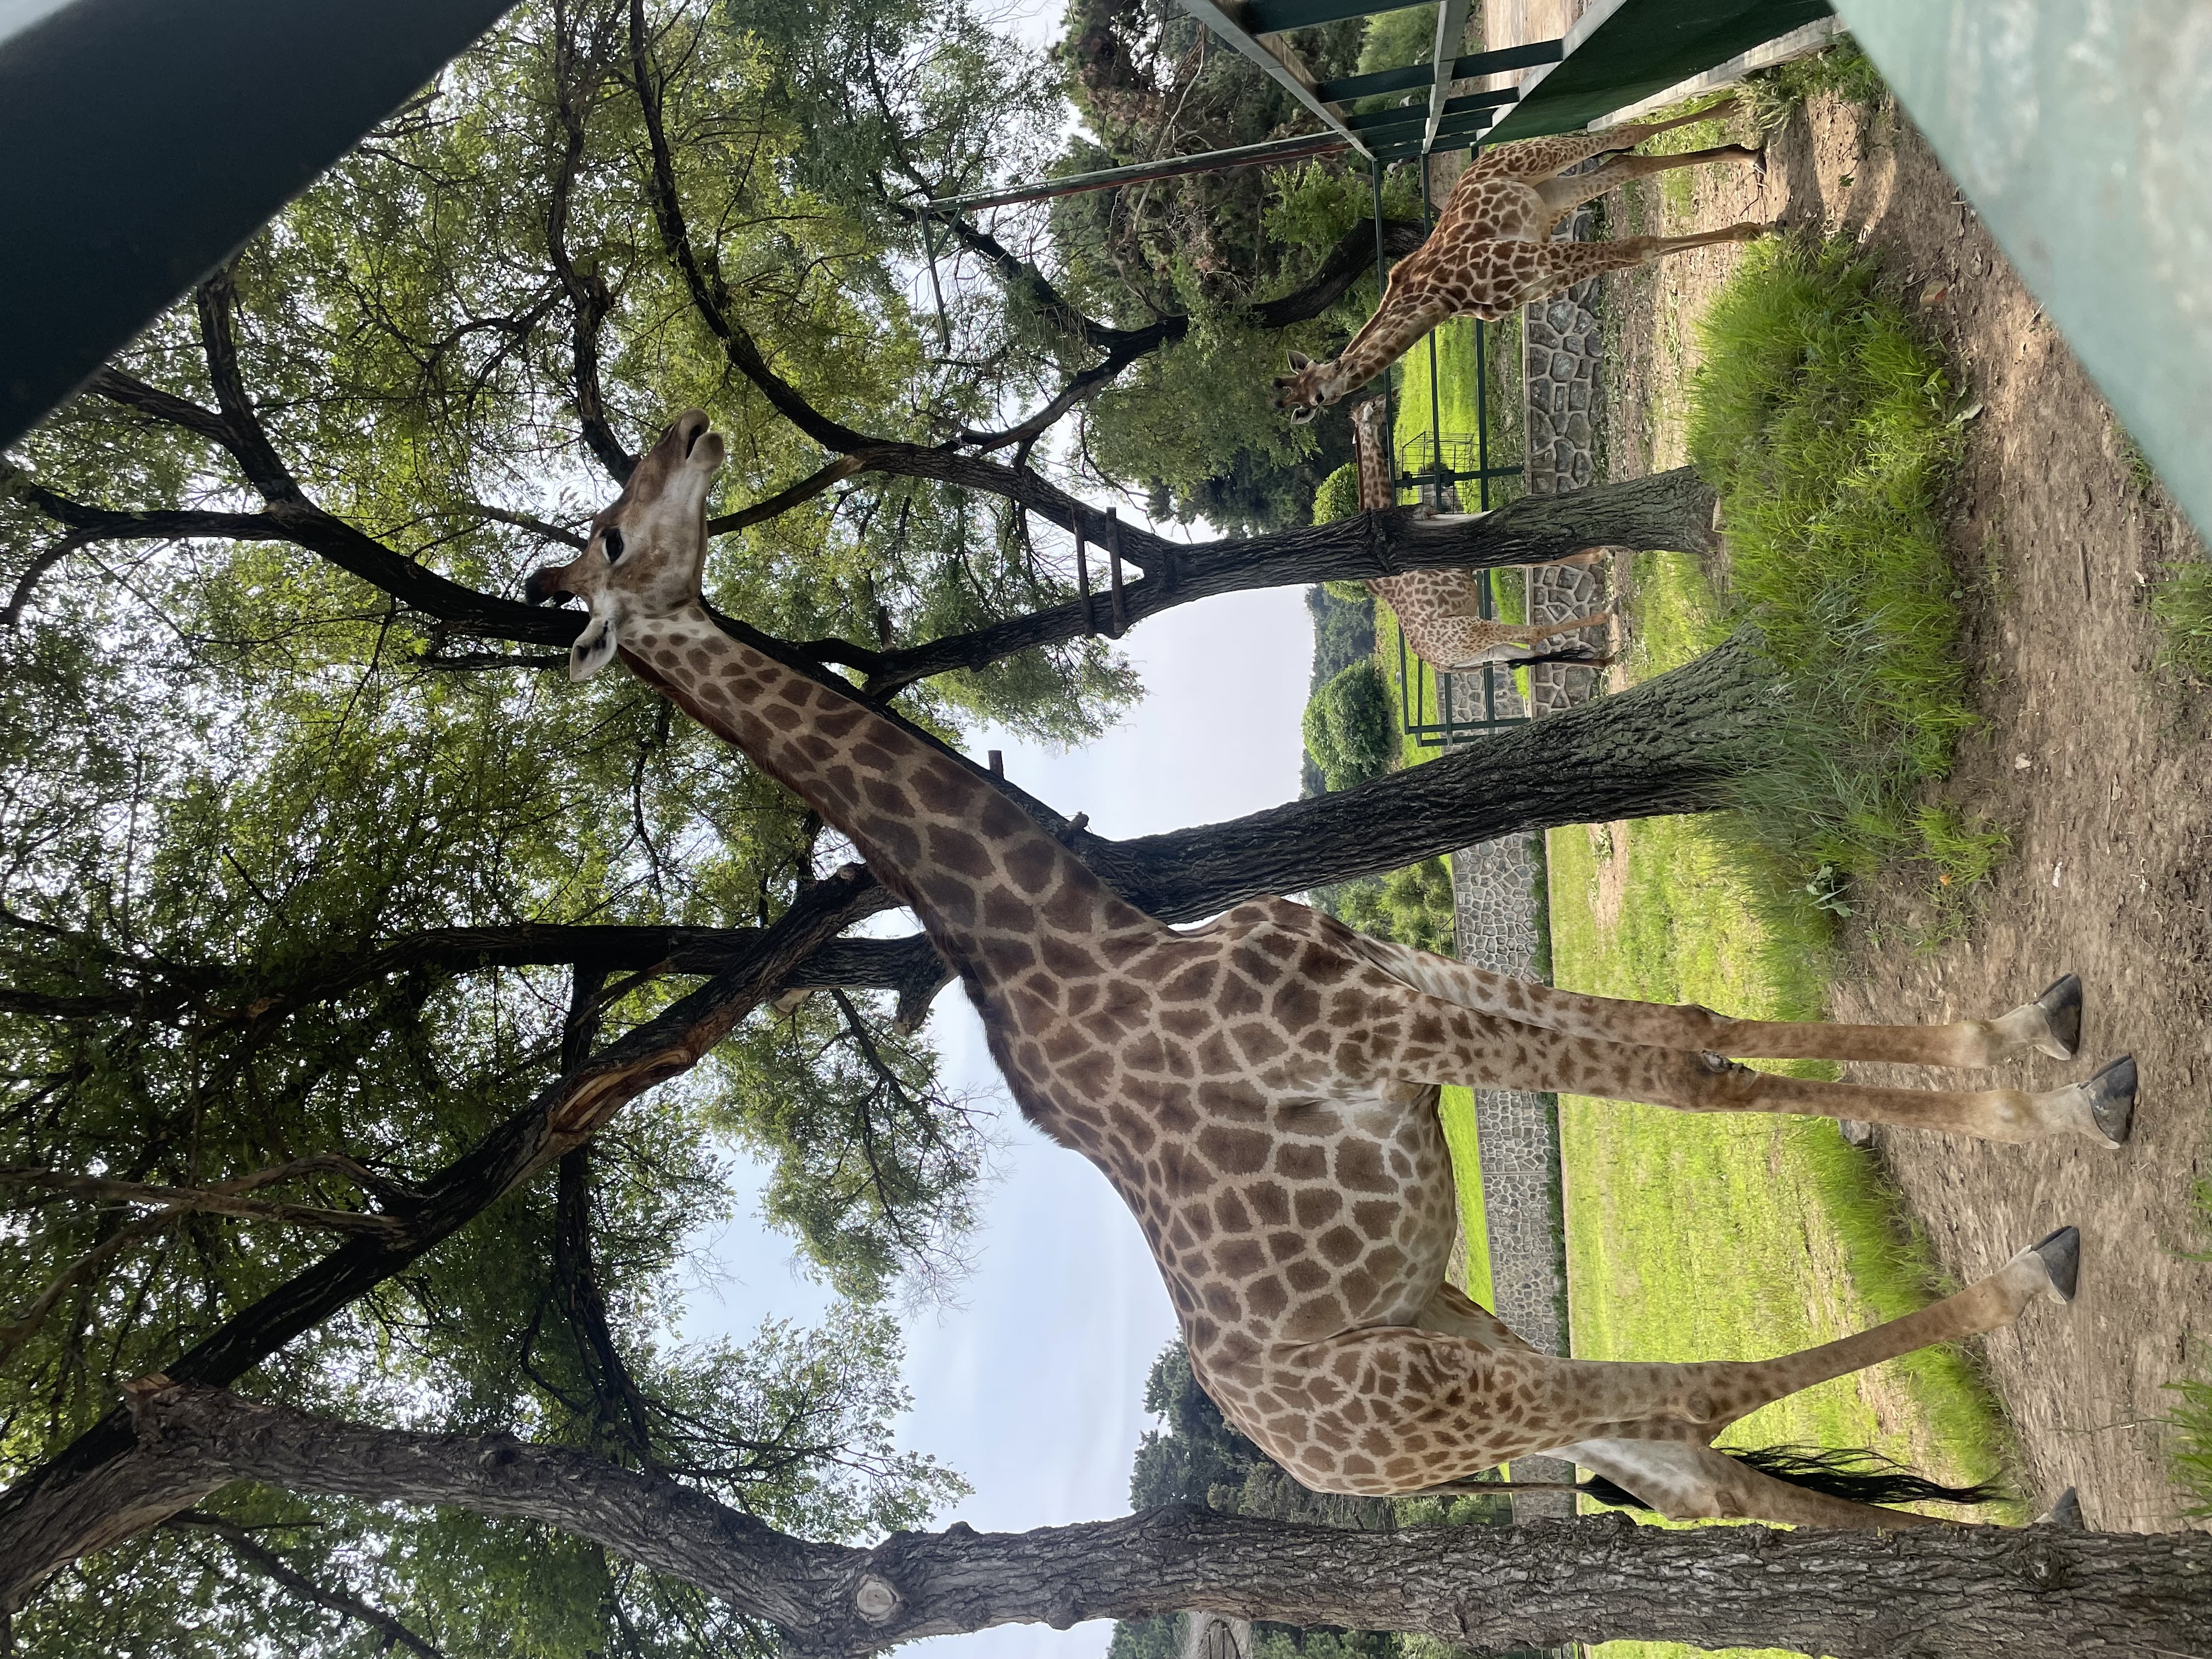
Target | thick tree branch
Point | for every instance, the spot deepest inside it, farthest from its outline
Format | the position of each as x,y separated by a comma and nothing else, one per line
1670,511
77,1501
2005,1594
784,499
216,301
1351,258
576,76
225,1198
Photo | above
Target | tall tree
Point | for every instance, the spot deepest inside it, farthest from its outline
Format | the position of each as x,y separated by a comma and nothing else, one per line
2009,1594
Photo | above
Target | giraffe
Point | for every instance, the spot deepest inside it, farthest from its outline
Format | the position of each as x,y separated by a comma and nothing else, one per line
1260,1089
1490,252
1440,610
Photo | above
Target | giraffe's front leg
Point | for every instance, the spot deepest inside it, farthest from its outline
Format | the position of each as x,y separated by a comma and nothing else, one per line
2050,1024
1422,1038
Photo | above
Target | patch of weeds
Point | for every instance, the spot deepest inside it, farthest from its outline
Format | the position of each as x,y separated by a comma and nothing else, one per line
2140,473
2192,1417
1830,429
2183,605
1770,96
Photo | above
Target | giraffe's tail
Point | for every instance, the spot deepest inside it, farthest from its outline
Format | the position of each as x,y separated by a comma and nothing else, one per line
1853,1473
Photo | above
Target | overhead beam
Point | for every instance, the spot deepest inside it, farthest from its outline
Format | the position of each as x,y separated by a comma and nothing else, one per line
1451,28
1416,76
148,138
1232,20
1621,51
1075,183
1413,115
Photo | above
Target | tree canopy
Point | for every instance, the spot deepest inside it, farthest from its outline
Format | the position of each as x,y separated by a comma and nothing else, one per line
381,1024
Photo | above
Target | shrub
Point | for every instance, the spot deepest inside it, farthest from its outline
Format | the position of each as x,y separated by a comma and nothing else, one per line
1827,427
1339,495
1348,729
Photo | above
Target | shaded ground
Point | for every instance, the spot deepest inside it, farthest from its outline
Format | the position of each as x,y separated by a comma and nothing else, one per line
2098,768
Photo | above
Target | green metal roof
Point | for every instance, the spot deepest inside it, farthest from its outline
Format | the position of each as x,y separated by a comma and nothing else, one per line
1621,51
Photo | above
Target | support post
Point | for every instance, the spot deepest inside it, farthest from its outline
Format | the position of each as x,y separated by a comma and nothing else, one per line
1083,577
1382,289
1114,569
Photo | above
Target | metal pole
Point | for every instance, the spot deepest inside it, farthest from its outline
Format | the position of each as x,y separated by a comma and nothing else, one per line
1436,395
1382,288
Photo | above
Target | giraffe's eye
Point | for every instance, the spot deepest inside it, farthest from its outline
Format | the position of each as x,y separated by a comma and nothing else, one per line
611,542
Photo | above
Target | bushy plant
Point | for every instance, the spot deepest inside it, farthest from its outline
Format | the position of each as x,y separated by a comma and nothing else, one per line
2182,606
1348,729
1830,429
1771,96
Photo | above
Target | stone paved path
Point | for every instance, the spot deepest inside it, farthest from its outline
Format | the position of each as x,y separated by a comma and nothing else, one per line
1498,885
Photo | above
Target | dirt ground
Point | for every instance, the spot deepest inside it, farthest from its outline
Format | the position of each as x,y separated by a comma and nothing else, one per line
2101,771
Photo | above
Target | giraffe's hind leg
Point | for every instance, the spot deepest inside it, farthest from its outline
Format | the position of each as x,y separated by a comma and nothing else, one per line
1540,158
1562,195
1395,1409
2050,1024
1684,1481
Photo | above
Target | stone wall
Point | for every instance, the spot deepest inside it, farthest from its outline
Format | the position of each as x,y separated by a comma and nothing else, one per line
1498,885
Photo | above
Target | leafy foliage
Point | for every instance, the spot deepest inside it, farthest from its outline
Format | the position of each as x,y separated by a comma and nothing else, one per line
1830,429
1771,95
1348,726
1412,905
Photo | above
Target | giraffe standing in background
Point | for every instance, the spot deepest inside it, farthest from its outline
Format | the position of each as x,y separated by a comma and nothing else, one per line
1258,1090
1440,610
1490,252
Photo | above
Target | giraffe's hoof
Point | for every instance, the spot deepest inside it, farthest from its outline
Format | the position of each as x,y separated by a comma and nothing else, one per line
2061,1003
2065,1514
2111,1098
2061,1260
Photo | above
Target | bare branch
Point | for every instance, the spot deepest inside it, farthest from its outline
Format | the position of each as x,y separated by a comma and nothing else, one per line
270,1565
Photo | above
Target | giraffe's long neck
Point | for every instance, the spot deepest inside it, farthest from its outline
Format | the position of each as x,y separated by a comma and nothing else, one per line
985,879
1403,318
1375,491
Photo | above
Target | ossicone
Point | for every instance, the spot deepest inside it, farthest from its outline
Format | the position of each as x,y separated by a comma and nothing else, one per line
547,582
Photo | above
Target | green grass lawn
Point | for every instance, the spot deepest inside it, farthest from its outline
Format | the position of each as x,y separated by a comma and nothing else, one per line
1695,1236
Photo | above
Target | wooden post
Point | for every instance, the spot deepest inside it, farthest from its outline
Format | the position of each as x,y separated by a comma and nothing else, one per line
1083,577
1114,569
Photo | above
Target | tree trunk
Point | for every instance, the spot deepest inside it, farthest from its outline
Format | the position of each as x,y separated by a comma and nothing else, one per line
1996,1593
1671,745
1670,511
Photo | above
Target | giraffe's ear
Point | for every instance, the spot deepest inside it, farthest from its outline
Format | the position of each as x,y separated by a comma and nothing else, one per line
593,650
1303,414
1300,362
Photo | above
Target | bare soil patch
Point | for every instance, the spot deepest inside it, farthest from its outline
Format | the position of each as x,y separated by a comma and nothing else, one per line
2099,771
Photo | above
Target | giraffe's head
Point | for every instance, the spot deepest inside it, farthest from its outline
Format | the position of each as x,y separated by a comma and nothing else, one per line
646,549
1308,389
1367,420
